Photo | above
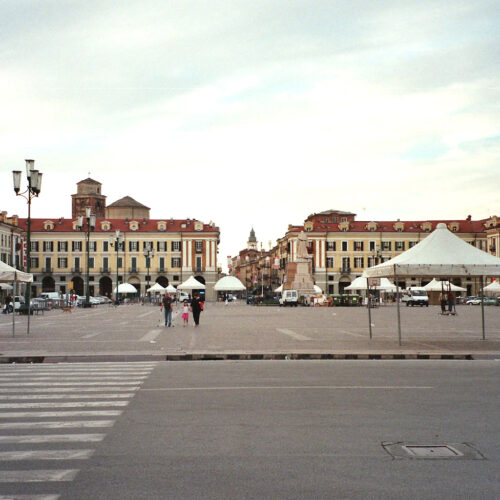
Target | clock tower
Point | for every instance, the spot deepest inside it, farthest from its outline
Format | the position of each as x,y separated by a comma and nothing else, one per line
88,195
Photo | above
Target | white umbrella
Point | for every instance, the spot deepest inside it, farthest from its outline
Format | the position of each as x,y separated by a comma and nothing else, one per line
438,286
191,284
170,289
229,284
126,288
493,287
156,288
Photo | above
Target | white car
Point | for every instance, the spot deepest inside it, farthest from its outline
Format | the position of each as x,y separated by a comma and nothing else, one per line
474,302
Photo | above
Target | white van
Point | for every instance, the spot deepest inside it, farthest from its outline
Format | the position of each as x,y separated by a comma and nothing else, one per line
415,296
50,295
289,298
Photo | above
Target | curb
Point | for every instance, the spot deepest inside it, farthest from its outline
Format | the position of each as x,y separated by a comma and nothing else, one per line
5,359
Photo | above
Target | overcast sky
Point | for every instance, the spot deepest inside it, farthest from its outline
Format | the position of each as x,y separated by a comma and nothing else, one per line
255,113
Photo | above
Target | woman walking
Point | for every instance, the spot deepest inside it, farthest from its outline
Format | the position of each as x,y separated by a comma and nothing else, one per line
196,308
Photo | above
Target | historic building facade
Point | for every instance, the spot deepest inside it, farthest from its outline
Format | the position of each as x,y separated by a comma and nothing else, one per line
177,248
341,247
11,240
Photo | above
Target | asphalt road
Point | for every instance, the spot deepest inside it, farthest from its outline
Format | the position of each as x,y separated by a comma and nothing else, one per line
271,429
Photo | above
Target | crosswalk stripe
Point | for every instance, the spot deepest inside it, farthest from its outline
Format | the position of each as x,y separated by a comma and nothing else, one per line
13,397
46,455
37,476
75,424
30,497
34,384
66,389
73,404
53,438
56,414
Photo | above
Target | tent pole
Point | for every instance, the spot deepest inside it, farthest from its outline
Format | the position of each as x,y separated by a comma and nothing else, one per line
14,310
399,313
369,307
482,306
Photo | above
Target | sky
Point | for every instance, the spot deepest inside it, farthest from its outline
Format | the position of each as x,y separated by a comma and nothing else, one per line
255,113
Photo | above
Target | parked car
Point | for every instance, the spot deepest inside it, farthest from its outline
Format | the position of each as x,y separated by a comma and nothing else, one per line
473,301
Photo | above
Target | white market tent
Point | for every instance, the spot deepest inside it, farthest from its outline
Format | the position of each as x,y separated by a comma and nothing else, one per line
317,289
279,289
360,283
439,286
441,254
170,289
191,284
156,288
126,288
9,274
229,284
493,287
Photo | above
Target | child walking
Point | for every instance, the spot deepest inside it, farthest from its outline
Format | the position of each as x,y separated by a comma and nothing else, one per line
185,313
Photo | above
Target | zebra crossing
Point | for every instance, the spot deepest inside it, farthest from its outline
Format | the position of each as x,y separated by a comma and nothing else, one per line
53,416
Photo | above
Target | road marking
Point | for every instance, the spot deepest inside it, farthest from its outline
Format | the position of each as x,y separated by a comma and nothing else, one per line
56,414
91,373
66,389
11,378
30,497
37,476
75,424
72,404
291,333
90,335
151,335
288,387
73,384
46,455
10,397
53,438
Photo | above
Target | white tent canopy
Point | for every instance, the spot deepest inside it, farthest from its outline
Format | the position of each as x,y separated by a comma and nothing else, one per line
191,284
126,288
279,289
360,283
438,286
317,289
440,254
170,289
156,288
493,287
229,284
9,274
6,286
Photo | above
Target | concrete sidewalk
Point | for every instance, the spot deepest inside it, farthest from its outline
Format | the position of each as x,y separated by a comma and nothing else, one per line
240,331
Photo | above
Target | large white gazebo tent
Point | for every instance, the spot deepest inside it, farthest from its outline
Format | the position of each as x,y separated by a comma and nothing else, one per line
442,255
9,274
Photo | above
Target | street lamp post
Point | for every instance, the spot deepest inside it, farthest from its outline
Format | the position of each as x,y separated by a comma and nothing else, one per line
34,179
116,242
148,253
90,219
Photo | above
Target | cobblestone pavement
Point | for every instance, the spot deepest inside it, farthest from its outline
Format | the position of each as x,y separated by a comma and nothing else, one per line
239,328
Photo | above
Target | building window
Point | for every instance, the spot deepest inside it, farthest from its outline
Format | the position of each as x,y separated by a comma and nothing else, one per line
162,264
346,264
199,267
91,262
400,246
146,244
105,246
92,246
411,244
62,262
176,262
359,262
331,277
105,263
62,246
198,246
161,246
373,246
331,246
345,246
386,245
76,246
330,262
358,246
120,262
176,246
133,246
34,262
176,277
48,246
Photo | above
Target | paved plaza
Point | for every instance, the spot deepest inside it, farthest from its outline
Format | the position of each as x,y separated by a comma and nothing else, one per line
239,330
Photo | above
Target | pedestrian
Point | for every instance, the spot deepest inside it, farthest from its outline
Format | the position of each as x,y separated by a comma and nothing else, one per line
185,312
451,303
196,308
167,306
443,299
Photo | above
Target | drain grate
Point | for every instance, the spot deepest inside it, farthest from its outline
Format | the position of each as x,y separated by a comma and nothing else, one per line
453,451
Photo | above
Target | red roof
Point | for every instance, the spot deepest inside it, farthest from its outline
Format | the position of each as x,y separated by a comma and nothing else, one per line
62,225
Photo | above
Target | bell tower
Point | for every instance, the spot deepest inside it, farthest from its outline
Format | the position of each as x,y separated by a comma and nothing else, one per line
88,194
252,241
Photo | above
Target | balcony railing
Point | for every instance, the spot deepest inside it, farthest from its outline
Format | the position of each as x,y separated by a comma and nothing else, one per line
199,269
133,270
47,270
105,270
345,269
76,270
161,270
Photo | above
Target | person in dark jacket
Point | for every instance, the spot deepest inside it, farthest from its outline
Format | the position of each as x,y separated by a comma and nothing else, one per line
196,308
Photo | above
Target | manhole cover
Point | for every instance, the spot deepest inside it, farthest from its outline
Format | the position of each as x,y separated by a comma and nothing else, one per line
444,451
432,451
